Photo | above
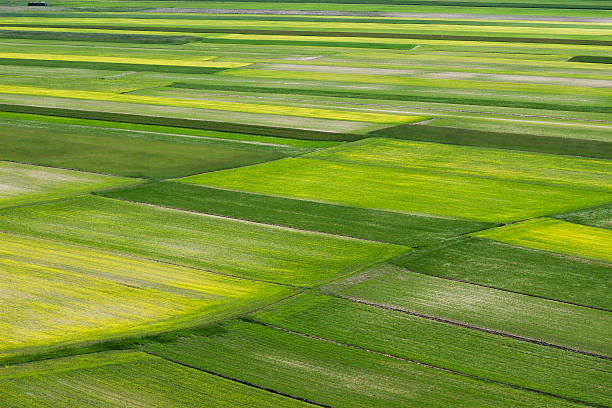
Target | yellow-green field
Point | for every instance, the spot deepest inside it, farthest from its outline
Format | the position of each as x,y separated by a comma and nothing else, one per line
58,294
555,236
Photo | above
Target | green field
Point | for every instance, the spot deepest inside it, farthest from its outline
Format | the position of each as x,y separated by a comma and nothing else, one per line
555,236
439,190
131,153
375,225
523,270
336,203
119,379
24,184
533,318
334,375
103,295
217,244
455,348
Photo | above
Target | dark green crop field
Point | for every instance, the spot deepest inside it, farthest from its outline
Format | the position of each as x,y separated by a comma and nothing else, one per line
336,203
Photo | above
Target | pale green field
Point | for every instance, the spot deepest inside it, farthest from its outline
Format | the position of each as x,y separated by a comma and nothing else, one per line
218,244
23,184
202,104
497,164
58,294
125,379
555,236
374,185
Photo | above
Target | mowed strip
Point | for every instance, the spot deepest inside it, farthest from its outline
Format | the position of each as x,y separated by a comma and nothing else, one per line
214,105
470,352
483,162
125,379
23,184
57,294
518,269
405,190
213,243
375,225
555,236
574,327
335,375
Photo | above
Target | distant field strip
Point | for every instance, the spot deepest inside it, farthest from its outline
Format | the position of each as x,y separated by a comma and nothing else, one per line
58,294
214,105
391,227
575,327
555,236
103,37
23,183
217,244
125,379
335,375
509,267
497,164
403,190
468,351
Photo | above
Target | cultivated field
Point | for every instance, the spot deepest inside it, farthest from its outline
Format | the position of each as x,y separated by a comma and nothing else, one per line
330,204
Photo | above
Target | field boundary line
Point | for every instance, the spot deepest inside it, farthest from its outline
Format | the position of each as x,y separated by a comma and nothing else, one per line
509,291
249,222
477,328
416,362
249,384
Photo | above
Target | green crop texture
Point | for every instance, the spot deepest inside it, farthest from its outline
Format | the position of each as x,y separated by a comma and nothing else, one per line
434,185
22,184
213,243
334,375
599,216
467,351
555,236
533,318
101,295
125,379
523,270
384,226
129,153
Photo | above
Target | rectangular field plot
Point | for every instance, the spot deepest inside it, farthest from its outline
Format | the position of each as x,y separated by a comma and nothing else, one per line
129,153
376,225
335,375
555,236
406,190
468,351
492,163
125,379
532,318
23,183
57,294
213,243
517,269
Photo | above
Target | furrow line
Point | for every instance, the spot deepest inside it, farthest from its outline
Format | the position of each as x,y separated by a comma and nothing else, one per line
316,404
481,329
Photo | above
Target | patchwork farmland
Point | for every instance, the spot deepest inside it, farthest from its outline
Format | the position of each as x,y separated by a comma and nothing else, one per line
337,203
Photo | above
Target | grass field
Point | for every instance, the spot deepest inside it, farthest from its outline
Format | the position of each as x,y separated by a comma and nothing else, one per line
555,236
334,375
212,243
23,184
132,153
102,295
455,348
128,378
518,269
341,203
538,319
384,226
439,190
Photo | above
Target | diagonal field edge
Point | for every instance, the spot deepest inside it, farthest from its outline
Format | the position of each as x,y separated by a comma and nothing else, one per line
407,360
481,329
238,381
